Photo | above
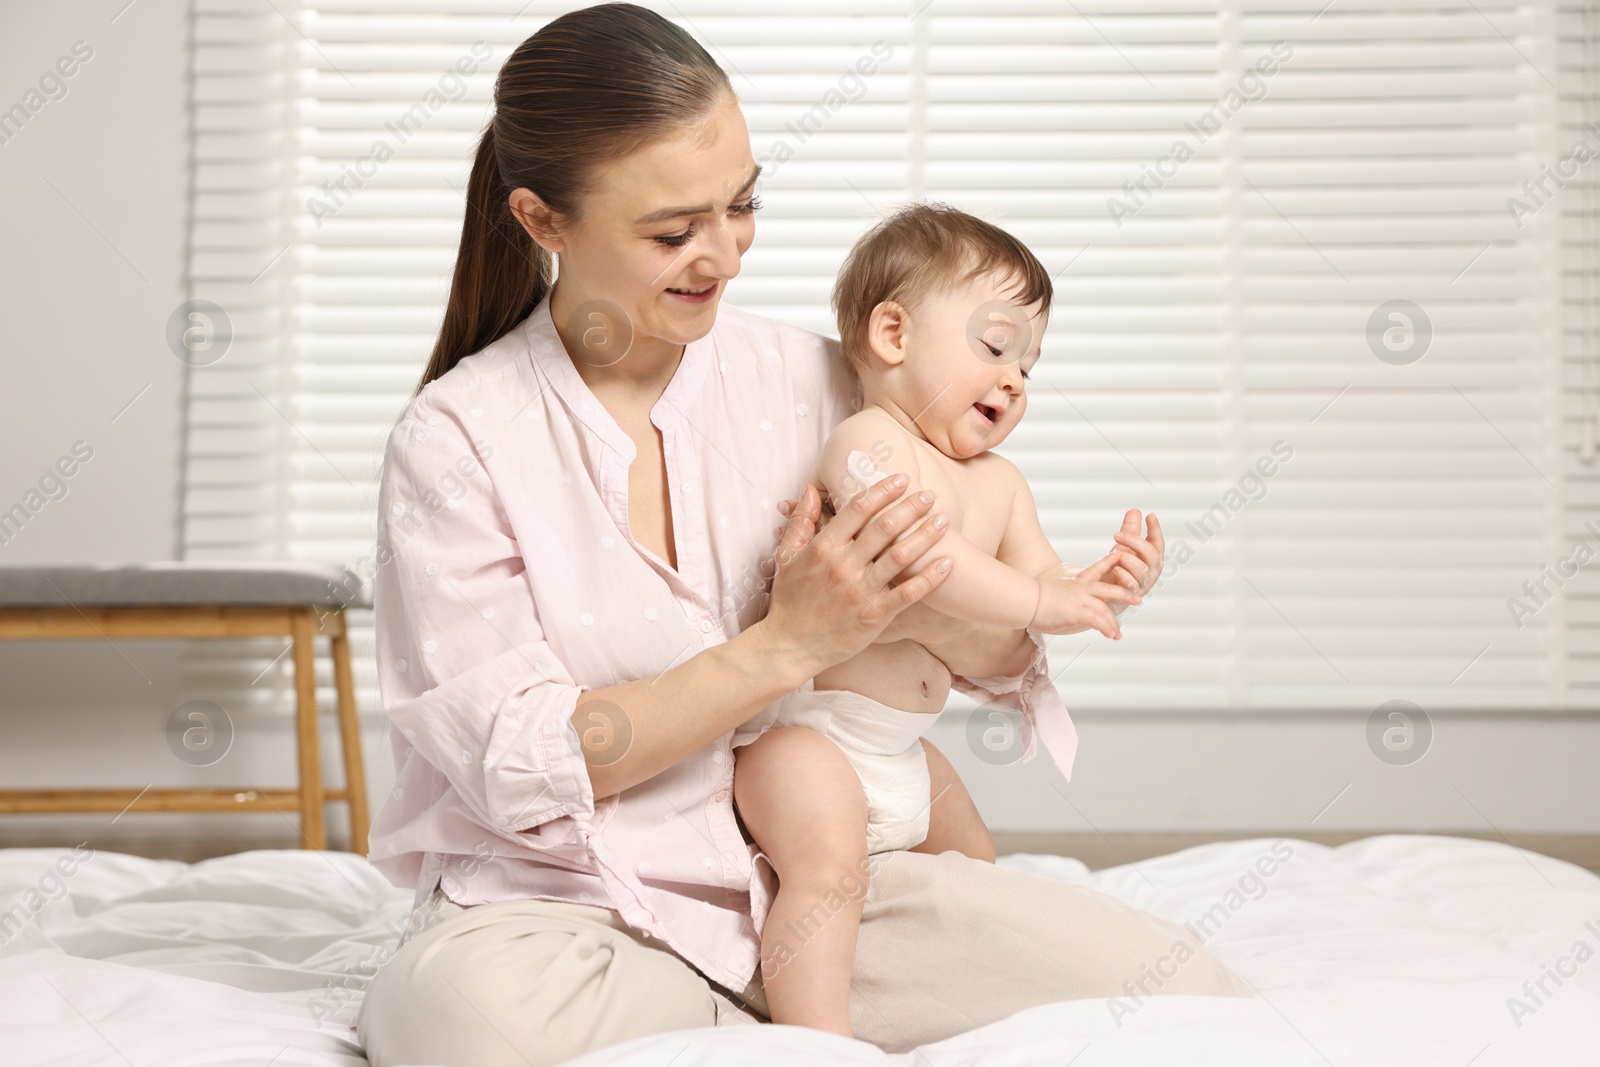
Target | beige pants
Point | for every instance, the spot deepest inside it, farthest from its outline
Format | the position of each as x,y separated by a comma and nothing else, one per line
947,944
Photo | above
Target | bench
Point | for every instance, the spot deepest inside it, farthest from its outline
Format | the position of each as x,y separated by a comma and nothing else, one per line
168,600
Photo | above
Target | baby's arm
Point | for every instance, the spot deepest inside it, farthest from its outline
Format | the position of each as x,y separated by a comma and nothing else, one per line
980,587
1025,545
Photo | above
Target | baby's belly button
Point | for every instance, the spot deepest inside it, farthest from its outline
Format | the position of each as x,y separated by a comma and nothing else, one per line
931,689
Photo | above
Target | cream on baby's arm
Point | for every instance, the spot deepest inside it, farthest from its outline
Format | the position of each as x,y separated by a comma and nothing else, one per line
1002,589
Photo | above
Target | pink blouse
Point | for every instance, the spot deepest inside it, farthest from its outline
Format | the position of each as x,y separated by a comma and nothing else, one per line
509,582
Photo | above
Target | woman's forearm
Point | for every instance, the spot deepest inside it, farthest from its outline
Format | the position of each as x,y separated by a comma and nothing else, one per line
634,731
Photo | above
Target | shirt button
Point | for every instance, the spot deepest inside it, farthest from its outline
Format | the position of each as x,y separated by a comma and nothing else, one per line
720,795
705,626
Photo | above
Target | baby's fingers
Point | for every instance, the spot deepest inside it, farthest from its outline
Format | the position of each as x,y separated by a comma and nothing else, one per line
1098,569
1105,620
1087,612
1107,591
1121,576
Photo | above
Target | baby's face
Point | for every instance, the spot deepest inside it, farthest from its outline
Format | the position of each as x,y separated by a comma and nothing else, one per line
967,357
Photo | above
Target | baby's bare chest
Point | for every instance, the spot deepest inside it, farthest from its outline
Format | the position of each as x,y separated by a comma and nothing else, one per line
978,502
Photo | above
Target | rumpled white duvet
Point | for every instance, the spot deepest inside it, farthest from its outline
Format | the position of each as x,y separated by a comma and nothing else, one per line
1404,950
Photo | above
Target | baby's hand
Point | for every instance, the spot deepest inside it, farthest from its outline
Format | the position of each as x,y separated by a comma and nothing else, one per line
1073,599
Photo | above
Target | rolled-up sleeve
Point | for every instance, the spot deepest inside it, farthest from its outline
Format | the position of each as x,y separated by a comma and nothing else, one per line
1033,696
465,672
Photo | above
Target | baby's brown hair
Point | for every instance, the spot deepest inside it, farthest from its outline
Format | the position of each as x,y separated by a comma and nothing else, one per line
924,249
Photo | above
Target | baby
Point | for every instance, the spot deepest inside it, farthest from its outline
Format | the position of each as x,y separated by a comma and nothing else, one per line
942,315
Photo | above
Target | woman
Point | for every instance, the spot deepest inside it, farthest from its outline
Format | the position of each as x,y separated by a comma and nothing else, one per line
573,617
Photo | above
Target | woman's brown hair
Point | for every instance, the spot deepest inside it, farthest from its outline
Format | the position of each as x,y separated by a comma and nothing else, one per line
589,87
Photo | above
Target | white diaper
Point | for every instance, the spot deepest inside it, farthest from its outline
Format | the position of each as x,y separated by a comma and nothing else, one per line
882,744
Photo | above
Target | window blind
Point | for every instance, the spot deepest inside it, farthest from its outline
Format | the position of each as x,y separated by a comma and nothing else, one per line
1578,198
1295,316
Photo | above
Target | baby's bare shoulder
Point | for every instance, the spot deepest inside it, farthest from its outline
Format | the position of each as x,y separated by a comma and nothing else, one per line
990,468
867,425
869,431
992,481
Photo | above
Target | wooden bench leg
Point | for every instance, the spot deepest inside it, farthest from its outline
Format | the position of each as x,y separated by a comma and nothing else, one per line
313,831
355,776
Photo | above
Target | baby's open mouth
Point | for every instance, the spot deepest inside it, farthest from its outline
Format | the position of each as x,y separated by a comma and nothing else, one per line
992,414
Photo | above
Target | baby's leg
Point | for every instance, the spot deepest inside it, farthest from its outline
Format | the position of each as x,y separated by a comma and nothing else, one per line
953,821
802,802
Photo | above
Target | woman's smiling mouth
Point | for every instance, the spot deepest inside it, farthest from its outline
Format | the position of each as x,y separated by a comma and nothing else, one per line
695,296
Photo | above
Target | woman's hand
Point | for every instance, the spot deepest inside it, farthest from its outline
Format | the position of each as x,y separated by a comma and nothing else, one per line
831,591
918,622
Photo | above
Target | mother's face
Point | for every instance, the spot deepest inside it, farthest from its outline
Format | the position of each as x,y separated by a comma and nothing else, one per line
675,215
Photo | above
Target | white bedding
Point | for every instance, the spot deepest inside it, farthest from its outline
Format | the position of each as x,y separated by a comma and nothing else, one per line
1400,950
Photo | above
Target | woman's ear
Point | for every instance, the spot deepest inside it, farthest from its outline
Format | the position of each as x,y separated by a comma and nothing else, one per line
538,218
887,328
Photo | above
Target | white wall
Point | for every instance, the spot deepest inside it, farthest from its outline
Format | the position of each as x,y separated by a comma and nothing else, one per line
94,187
1262,772
92,262
90,270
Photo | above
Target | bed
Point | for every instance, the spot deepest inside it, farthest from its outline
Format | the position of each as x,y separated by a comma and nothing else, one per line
1396,949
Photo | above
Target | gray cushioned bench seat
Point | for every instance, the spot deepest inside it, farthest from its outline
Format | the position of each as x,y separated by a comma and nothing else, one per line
182,582
184,599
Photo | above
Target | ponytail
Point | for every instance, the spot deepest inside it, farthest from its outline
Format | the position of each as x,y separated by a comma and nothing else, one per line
501,273
588,88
